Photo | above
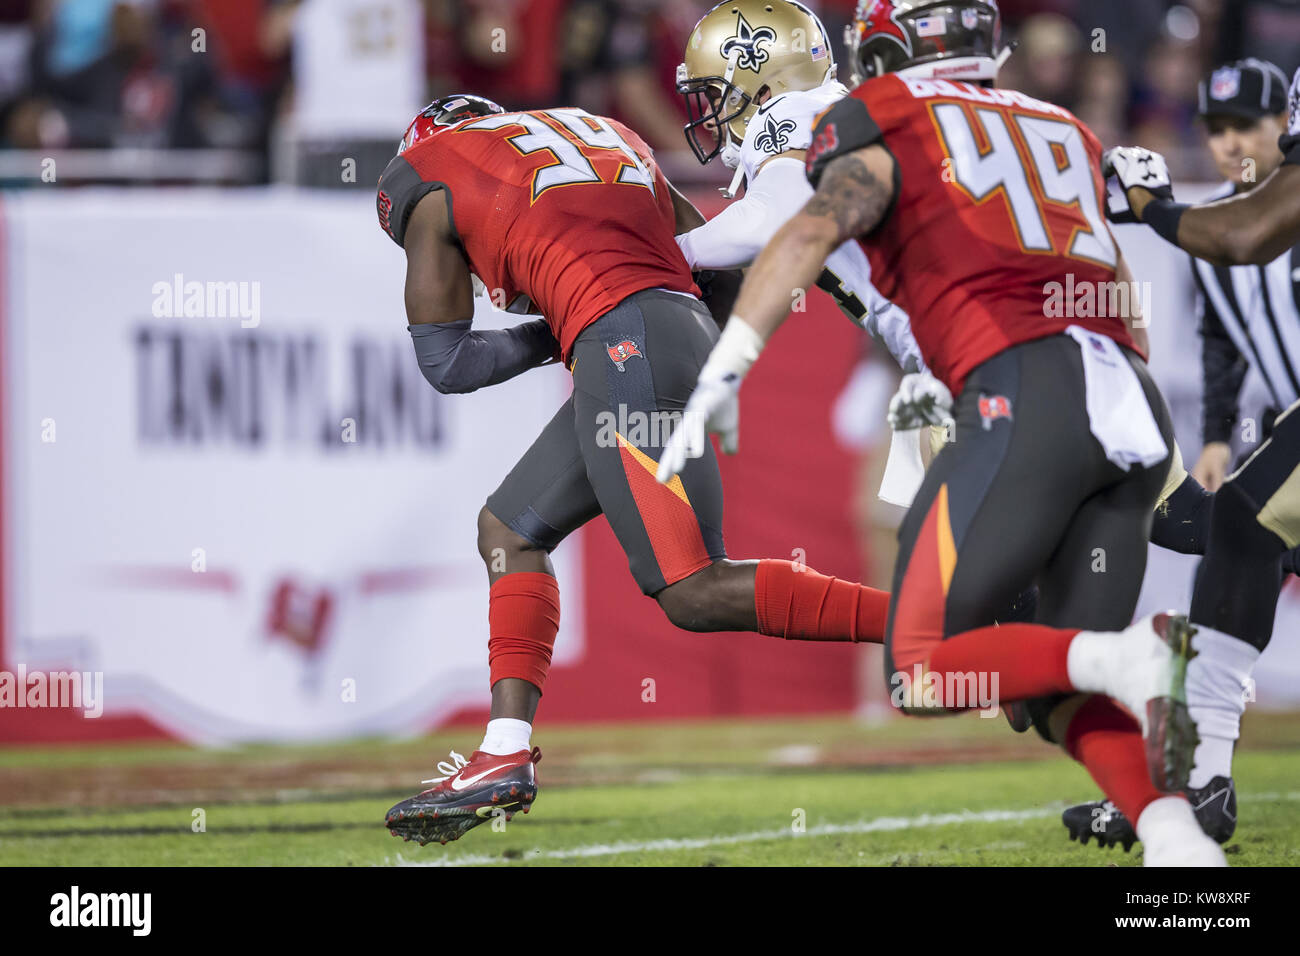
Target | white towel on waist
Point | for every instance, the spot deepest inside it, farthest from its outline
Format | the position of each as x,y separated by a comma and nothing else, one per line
904,470
1118,411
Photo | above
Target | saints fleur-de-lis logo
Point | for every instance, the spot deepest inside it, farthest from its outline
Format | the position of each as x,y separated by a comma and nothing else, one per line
749,42
775,137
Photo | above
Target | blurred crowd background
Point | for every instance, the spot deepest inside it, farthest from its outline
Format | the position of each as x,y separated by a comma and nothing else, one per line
247,76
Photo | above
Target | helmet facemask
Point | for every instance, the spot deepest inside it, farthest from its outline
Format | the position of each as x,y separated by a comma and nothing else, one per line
740,51
713,104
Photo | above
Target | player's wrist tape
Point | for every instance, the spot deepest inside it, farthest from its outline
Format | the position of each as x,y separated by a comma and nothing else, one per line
455,359
1163,215
737,348
1290,146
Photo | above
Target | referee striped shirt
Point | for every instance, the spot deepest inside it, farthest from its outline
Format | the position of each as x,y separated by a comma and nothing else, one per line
1249,316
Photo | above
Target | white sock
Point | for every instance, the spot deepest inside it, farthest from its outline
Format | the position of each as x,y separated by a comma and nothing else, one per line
1171,836
1217,682
506,735
1165,819
1089,659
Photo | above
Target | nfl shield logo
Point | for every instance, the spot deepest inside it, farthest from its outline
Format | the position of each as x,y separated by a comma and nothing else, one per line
1224,83
970,18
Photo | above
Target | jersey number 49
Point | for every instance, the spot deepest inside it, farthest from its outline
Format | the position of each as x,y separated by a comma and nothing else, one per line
1048,178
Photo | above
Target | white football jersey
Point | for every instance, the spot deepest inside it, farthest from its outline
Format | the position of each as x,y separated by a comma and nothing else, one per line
783,124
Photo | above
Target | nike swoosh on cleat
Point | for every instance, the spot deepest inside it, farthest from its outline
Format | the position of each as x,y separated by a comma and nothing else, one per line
461,782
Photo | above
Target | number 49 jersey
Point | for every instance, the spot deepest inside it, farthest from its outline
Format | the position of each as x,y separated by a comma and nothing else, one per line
564,207
1000,204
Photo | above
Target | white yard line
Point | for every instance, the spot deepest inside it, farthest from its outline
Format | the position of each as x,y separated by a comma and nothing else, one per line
878,825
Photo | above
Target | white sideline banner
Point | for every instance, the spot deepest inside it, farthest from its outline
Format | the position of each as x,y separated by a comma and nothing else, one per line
228,487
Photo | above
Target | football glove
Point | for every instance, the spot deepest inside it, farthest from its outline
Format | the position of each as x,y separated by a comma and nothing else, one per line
1133,166
921,399
713,408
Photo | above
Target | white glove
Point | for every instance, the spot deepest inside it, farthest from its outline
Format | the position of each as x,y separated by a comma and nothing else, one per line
921,399
1134,166
713,408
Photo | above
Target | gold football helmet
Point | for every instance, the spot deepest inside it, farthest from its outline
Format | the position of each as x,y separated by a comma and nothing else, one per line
737,50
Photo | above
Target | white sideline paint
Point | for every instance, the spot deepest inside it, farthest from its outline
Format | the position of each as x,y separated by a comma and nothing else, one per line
878,825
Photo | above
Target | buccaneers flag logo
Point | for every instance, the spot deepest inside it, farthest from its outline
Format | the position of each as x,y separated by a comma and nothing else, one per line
993,407
620,353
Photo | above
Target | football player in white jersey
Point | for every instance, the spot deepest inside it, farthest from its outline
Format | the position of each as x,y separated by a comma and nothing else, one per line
755,75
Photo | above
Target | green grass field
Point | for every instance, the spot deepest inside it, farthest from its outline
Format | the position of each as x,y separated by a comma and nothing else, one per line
908,793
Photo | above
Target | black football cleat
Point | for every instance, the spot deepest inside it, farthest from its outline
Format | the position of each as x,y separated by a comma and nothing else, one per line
486,787
1215,806
1102,820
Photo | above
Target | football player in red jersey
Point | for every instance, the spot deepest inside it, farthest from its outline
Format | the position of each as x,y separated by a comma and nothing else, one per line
570,212
982,213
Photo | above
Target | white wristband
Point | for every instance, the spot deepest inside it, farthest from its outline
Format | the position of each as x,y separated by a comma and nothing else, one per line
735,351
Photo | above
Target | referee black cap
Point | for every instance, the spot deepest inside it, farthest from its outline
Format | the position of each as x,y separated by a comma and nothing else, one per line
1248,88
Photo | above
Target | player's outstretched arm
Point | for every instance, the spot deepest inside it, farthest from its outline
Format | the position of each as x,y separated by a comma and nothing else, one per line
440,308
853,196
1251,229
734,237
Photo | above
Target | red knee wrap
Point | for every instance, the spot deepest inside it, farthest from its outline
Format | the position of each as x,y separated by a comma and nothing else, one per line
523,618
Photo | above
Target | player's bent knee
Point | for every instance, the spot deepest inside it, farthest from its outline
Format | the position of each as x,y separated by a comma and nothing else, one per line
694,603
683,606
496,540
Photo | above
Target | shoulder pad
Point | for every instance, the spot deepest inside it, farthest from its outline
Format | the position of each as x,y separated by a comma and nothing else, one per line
843,128
400,188
784,123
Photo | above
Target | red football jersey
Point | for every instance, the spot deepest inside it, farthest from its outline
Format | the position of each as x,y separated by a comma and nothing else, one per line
998,233
564,207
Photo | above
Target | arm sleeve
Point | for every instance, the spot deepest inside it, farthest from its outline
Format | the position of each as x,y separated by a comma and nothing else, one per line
1222,368
737,234
844,128
455,360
